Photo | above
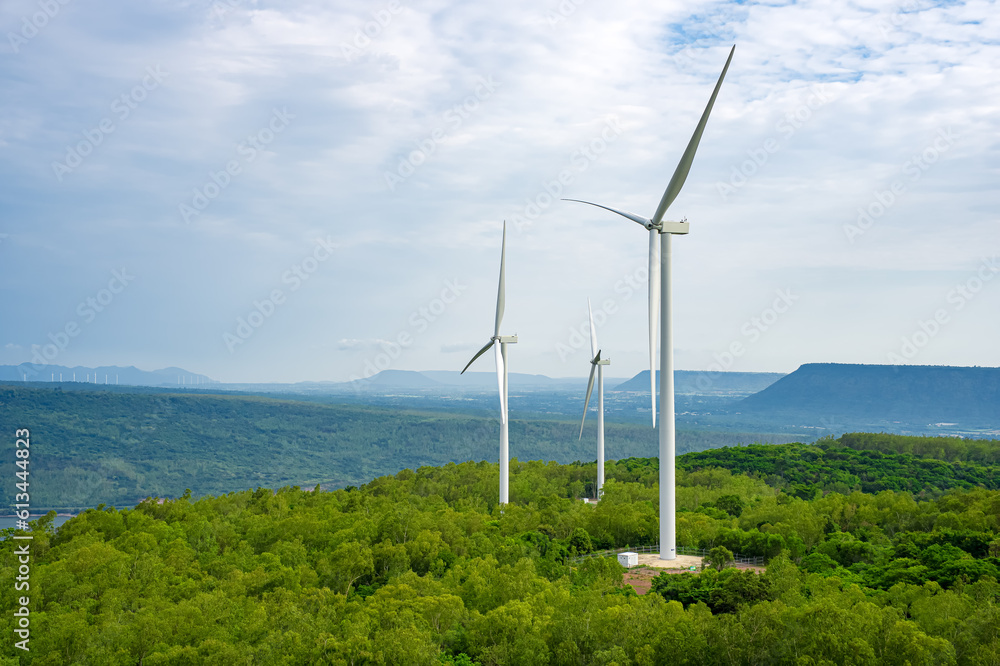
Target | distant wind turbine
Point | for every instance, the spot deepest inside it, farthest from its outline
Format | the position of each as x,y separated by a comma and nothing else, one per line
659,299
596,363
499,344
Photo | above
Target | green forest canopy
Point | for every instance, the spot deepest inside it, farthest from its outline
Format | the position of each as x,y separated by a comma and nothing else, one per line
871,464
423,567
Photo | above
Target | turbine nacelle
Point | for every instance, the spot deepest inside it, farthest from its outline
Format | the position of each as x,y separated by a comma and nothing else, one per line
509,339
597,360
675,228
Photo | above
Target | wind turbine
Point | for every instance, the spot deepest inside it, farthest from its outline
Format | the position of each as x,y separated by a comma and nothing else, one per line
596,364
499,344
659,299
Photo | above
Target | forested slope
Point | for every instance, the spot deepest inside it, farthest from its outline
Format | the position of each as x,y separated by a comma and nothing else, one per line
120,446
952,449
807,470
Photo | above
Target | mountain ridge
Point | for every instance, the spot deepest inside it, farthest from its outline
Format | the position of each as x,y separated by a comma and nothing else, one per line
697,381
914,393
103,374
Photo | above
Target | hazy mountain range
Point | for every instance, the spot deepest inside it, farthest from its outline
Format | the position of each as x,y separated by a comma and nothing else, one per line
823,398
686,381
105,374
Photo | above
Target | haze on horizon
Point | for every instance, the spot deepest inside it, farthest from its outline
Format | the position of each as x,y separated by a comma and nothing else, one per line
343,172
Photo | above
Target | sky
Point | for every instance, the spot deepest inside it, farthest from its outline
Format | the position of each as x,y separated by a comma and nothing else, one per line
315,191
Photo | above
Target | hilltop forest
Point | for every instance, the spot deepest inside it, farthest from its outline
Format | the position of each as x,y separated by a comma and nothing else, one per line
423,567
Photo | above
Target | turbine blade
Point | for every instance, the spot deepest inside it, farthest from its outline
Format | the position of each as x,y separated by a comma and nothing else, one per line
478,354
586,403
500,291
503,401
593,331
681,172
654,311
635,218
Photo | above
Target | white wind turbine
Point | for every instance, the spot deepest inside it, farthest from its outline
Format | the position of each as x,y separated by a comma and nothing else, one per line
596,364
659,298
499,344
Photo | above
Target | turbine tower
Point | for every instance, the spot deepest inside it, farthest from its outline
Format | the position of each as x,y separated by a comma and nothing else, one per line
659,298
499,344
596,363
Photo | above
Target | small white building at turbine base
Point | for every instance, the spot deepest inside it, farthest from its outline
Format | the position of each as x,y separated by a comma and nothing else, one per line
628,559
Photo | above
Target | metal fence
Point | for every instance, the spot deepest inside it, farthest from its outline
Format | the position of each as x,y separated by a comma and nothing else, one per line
738,559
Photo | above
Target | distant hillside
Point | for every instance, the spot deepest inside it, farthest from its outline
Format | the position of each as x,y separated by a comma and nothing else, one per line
517,380
907,393
709,383
398,379
804,470
120,445
472,380
105,374
951,449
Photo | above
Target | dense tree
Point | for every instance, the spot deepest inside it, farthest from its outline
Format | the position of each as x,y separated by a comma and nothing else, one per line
423,567
807,471
719,558
952,449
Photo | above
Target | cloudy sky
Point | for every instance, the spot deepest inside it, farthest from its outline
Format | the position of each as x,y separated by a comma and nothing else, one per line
265,191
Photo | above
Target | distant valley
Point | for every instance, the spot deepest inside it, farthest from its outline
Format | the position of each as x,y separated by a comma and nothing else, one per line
121,444
817,399
118,443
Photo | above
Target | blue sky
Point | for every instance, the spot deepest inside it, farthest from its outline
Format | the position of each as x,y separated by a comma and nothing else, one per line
295,191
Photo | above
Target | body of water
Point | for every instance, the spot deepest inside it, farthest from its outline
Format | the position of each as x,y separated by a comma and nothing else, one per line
11,521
